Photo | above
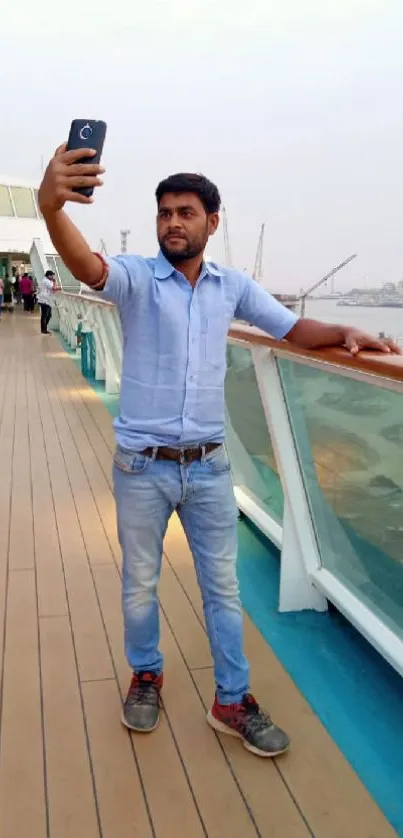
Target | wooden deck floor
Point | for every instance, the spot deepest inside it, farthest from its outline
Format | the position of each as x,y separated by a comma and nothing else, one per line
67,767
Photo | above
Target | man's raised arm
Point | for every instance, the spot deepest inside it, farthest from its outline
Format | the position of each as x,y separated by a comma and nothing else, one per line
62,175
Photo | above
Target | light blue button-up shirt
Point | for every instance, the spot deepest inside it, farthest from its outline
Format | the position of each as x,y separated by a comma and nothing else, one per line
174,347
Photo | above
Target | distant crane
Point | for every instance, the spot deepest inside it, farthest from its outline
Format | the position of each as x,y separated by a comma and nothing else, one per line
124,235
258,269
227,246
330,275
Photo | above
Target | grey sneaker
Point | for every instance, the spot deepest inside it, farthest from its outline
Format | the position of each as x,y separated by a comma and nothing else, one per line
250,723
141,710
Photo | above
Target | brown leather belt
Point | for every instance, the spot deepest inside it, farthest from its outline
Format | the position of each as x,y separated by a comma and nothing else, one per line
182,455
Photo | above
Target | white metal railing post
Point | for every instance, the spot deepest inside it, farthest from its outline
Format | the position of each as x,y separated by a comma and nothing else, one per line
300,556
75,318
112,372
99,352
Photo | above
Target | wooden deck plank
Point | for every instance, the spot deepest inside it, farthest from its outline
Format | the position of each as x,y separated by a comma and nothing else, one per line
96,461
72,806
7,429
91,646
96,542
21,526
82,399
22,780
96,410
21,742
122,805
52,598
5,361
170,798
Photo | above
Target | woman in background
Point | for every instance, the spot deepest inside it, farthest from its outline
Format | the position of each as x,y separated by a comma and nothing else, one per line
27,292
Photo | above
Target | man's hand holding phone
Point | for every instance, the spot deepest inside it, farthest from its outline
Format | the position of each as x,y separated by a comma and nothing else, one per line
64,175
72,175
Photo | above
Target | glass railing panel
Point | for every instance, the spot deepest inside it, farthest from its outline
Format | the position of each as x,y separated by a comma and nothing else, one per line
349,437
68,281
248,439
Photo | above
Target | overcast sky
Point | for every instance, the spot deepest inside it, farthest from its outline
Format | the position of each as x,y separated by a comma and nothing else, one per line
293,108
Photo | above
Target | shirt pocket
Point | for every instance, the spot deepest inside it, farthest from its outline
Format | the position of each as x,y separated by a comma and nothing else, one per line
215,331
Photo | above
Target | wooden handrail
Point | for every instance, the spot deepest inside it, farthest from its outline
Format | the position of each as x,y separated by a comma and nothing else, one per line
376,363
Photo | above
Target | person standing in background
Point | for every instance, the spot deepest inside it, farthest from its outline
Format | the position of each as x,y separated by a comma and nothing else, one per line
26,289
17,290
45,300
8,294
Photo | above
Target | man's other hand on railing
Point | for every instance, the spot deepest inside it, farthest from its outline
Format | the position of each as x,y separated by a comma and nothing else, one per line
311,334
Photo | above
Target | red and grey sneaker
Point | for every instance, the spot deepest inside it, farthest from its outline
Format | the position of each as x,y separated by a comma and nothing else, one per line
250,723
141,710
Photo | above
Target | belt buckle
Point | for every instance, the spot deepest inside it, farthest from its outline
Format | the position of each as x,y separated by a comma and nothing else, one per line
186,455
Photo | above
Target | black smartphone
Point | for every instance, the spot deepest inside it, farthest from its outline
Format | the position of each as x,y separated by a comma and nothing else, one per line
87,133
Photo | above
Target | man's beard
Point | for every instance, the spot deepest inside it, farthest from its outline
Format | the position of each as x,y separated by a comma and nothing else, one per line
189,252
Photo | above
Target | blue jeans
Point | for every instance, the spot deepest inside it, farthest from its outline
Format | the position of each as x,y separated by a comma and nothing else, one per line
147,491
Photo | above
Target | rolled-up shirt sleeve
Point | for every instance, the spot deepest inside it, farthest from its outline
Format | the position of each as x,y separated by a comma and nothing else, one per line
259,308
121,280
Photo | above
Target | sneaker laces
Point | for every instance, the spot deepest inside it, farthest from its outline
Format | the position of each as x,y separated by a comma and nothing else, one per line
256,718
144,689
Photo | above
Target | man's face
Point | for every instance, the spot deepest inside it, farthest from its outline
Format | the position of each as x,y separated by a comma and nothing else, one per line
183,226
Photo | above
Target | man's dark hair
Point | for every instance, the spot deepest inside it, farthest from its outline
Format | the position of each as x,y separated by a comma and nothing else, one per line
48,274
198,184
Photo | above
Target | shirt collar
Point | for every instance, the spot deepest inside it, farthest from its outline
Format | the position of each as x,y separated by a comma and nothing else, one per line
213,269
163,269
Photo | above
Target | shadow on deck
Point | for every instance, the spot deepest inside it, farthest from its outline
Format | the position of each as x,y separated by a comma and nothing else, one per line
67,767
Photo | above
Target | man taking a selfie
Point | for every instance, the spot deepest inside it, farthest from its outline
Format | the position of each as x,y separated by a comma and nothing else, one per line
175,311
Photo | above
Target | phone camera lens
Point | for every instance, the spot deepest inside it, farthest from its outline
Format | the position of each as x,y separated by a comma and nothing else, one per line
85,132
